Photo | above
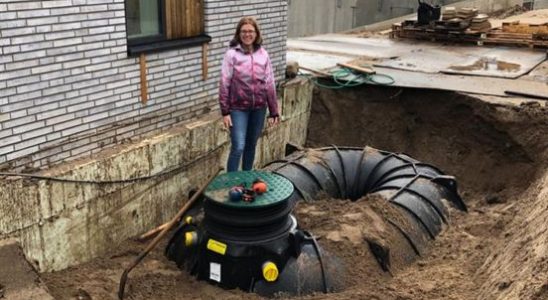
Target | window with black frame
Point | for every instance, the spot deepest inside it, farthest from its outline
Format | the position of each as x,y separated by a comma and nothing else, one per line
529,4
155,25
143,19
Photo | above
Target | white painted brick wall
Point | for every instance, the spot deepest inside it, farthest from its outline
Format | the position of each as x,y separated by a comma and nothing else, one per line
68,89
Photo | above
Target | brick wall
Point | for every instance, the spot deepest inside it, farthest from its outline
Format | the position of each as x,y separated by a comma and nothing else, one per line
68,89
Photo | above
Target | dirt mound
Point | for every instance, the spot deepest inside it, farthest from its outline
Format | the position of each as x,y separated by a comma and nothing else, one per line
154,278
484,145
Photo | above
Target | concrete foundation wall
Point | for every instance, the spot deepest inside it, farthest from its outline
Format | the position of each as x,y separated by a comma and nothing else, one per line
68,88
60,224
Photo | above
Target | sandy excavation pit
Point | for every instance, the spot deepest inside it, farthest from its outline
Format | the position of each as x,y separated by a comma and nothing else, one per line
498,250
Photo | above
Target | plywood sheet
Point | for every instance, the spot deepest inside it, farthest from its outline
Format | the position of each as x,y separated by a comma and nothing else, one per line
426,57
467,84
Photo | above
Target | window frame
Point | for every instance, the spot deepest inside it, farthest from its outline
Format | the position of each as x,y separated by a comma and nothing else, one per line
154,38
160,42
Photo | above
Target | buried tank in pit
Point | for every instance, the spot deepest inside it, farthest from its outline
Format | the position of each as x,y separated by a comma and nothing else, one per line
257,246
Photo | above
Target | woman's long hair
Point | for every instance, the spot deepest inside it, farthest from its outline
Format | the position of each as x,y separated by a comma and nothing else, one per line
258,38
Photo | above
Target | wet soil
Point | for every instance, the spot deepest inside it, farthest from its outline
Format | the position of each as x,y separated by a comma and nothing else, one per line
498,250
486,64
18,280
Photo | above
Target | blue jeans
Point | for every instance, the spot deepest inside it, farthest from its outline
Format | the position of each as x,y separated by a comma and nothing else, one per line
247,126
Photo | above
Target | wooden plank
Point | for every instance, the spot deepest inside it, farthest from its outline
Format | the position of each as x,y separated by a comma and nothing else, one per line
175,18
143,65
201,13
516,27
187,18
169,19
180,15
525,94
184,18
497,37
360,69
195,18
510,35
317,72
204,61
190,17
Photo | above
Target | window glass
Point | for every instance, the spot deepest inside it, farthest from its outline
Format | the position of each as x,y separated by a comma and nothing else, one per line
157,25
143,19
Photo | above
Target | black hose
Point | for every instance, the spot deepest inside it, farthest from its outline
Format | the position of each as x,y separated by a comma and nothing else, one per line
309,237
177,169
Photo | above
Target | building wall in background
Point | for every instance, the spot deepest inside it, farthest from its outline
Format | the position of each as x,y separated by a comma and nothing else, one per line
541,4
535,4
311,17
369,12
68,88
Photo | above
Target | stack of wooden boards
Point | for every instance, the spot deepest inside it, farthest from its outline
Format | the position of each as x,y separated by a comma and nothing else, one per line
469,26
480,23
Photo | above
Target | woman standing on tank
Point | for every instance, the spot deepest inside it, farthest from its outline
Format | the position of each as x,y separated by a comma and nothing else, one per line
247,88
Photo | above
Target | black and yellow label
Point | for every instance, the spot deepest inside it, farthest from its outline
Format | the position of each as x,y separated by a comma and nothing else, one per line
216,246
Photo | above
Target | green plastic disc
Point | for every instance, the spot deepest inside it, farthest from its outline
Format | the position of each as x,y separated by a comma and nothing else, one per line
278,188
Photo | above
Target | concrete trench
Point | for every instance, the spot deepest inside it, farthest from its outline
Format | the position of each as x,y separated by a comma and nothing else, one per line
496,148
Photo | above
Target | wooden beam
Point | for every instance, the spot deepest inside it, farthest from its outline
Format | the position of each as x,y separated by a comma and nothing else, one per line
143,63
169,19
200,16
526,94
187,17
365,70
204,61
184,18
317,72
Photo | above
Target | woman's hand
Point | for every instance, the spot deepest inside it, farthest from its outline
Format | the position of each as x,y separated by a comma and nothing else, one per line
273,121
227,121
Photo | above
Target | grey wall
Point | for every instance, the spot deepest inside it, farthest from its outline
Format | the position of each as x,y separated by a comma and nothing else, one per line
68,89
310,17
487,6
541,4
369,12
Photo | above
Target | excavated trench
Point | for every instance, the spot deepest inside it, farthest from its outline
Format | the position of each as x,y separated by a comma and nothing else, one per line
498,154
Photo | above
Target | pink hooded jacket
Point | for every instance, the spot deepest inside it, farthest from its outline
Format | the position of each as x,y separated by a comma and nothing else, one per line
247,81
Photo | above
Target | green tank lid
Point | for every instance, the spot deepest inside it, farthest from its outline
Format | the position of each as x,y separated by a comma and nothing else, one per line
279,188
